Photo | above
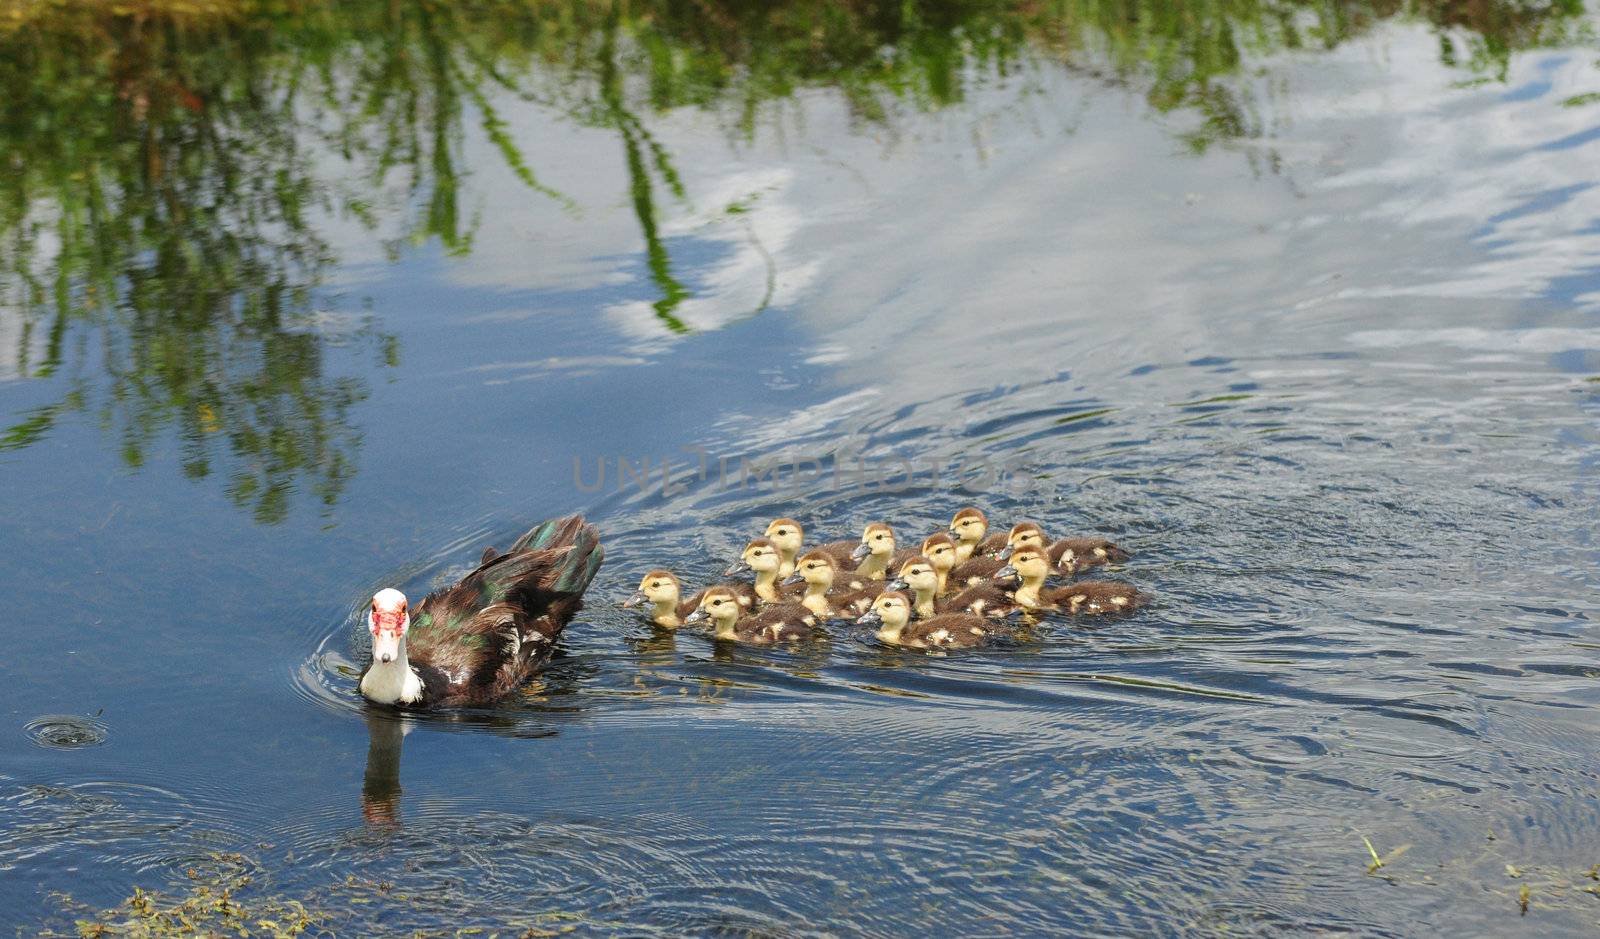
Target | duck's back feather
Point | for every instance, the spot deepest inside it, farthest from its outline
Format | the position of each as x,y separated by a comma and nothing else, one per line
476,641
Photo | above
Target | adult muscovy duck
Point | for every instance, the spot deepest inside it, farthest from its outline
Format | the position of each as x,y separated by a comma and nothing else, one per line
475,642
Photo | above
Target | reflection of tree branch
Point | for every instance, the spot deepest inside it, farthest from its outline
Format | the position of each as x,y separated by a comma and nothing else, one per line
495,129
673,293
31,428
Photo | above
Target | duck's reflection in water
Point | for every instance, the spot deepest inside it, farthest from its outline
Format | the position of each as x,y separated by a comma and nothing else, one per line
380,788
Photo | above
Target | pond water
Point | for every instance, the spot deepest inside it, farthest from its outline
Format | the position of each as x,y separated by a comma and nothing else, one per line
1300,304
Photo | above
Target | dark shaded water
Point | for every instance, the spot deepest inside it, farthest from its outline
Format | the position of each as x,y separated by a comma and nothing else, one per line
1303,312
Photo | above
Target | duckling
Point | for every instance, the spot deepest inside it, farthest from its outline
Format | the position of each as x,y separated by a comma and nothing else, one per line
891,613
790,538
875,551
1070,555
662,588
818,572
779,622
917,575
762,557
1074,555
968,528
940,550
1088,596
980,568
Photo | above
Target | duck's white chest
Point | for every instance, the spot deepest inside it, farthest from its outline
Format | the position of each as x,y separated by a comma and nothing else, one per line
394,683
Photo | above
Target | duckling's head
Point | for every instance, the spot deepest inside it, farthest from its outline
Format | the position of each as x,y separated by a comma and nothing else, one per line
940,550
388,620
969,526
787,534
1022,535
1027,563
815,568
916,574
760,555
876,539
890,608
658,586
719,605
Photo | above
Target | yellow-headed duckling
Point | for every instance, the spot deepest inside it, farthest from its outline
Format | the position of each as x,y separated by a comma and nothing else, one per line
1032,566
875,551
778,622
762,557
790,538
891,613
661,589
970,529
829,593
918,576
939,549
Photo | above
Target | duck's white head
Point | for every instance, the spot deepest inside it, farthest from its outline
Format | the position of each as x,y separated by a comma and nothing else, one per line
388,621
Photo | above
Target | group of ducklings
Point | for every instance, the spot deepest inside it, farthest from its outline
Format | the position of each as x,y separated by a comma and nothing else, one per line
946,593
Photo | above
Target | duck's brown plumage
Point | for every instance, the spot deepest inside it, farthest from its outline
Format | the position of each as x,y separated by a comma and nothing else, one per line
477,641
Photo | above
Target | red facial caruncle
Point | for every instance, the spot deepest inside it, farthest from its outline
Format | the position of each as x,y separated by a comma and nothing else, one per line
388,613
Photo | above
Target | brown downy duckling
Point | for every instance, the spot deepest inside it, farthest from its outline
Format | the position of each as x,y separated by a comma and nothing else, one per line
891,613
1075,555
778,622
819,573
1087,596
790,538
661,589
875,551
917,575
1069,555
762,557
970,529
940,549
980,569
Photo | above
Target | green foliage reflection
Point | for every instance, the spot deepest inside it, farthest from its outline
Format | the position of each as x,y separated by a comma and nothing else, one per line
170,164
